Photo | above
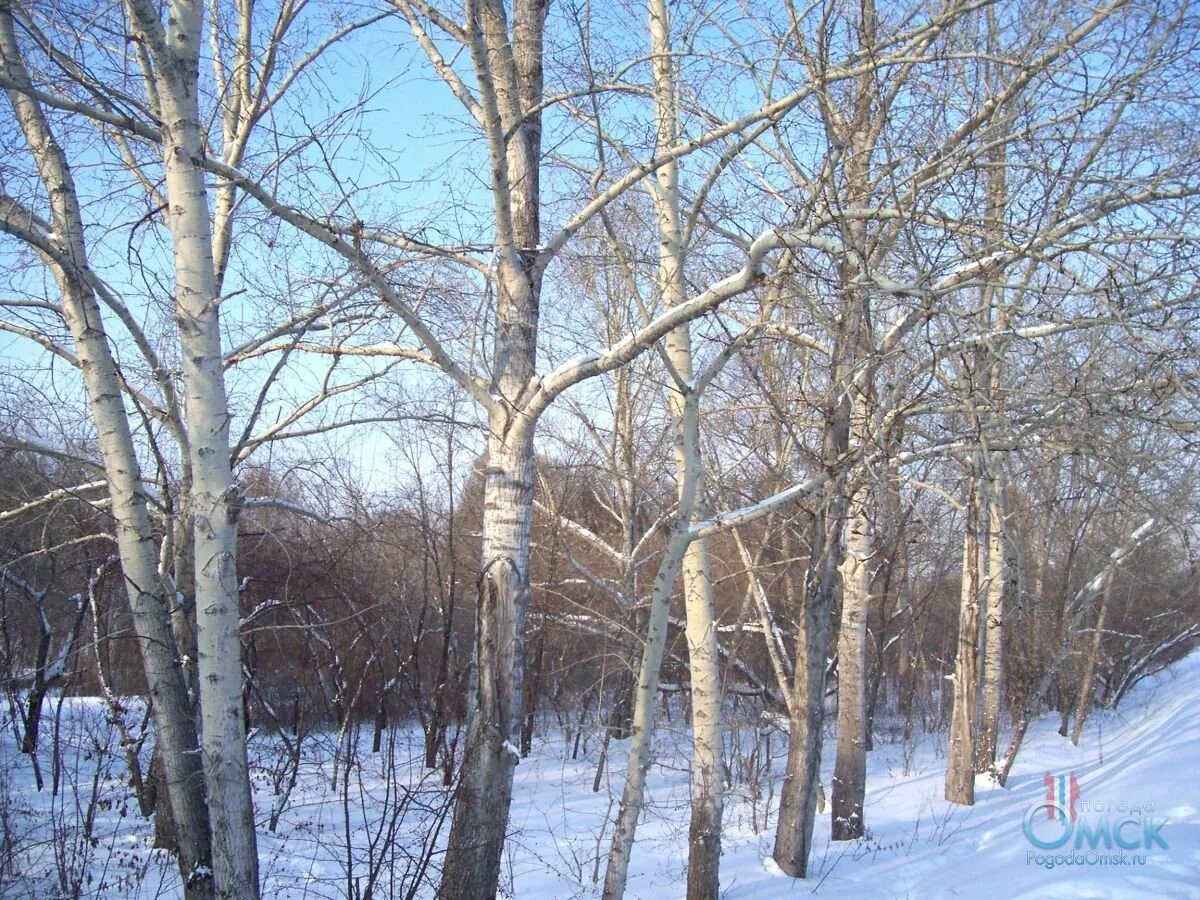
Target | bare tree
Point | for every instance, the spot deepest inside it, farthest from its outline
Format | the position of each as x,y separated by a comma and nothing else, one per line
173,56
60,241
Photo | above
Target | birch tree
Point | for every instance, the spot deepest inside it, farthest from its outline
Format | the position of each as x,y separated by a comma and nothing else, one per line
708,775
1002,592
864,213
506,104
202,537
173,48
60,241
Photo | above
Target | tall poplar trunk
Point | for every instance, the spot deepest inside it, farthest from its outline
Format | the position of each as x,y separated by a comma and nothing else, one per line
619,718
148,599
801,791
508,67
960,758
484,792
708,765
798,797
902,614
1002,570
214,503
860,134
645,708
1000,588
850,769
708,773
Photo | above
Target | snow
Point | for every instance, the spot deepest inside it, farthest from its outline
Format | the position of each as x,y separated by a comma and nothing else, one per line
918,845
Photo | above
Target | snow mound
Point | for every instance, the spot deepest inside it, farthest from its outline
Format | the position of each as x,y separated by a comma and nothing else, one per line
1138,762
1141,757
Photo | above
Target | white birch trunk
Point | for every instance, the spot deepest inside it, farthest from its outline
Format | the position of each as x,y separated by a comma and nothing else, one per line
214,501
645,705
494,704
707,784
1000,587
860,133
708,775
148,597
1002,571
708,765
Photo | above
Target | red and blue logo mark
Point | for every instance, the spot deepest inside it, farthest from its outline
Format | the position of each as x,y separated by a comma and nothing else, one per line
1062,793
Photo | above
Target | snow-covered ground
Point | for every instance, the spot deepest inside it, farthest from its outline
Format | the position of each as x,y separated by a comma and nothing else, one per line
1139,762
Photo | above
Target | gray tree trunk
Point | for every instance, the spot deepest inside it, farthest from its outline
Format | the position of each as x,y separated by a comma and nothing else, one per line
708,765
1088,685
802,780
1001,569
850,769
484,792
801,791
645,705
960,757
508,67
708,770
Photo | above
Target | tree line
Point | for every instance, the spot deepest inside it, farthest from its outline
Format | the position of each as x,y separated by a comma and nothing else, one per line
763,353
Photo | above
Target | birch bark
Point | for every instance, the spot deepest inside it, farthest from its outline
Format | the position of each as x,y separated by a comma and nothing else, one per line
1001,571
860,134
148,596
214,503
708,775
1001,586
